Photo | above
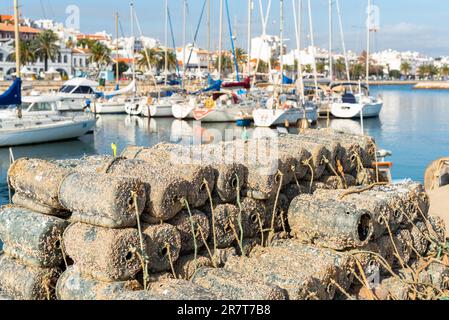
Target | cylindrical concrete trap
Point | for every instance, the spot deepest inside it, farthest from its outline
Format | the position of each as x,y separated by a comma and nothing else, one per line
102,200
104,254
330,224
32,238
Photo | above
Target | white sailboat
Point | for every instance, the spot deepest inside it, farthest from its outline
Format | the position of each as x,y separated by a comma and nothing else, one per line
114,102
184,110
135,105
352,105
289,109
359,105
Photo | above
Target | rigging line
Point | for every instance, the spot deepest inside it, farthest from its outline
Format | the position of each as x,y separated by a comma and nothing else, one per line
236,65
196,34
43,9
173,40
150,67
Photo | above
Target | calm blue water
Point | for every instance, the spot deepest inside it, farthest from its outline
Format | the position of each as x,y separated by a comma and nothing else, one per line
414,125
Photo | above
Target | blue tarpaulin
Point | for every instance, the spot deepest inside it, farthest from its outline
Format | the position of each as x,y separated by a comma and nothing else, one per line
286,80
12,96
215,86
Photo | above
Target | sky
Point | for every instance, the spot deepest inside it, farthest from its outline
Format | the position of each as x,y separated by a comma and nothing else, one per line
417,25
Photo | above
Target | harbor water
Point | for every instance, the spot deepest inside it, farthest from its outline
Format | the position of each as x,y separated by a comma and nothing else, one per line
414,125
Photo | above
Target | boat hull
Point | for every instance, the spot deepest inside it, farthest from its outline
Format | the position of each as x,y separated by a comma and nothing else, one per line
110,108
351,111
275,117
228,114
161,111
135,108
63,130
182,111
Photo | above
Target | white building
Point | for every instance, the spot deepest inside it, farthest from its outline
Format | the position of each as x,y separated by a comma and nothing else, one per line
266,47
392,60
198,57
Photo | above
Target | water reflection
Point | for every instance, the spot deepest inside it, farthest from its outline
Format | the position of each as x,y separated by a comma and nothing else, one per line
413,124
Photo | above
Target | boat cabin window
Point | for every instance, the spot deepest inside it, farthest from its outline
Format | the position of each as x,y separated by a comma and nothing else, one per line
83,90
41,106
67,89
23,106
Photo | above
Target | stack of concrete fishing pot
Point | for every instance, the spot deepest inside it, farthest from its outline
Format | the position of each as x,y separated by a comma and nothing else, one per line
307,219
31,231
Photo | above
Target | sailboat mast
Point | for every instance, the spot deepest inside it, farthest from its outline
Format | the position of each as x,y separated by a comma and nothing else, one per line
220,40
133,43
340,22
281,52
166,42
368,40
117,76
208,35
312,42
250,8
297,17
331,65
184,37
17,36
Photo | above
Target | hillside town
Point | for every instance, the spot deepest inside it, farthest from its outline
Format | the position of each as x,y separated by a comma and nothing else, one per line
52,51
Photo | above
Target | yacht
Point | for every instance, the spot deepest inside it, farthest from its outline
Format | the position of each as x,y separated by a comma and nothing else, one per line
38,120
76,94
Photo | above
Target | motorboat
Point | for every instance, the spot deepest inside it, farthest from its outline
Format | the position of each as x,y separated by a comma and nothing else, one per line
76,94
38,120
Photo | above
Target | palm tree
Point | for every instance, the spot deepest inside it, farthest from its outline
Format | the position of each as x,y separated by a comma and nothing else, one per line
100,54
308,68
340,68
47,48
444,70
274,63
85,43
171,59
70,44
320,67
406,68
154,55
226,63
242,57
357,70
27,52
263,67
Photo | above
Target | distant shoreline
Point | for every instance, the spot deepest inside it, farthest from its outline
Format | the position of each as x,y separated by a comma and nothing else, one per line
42,85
